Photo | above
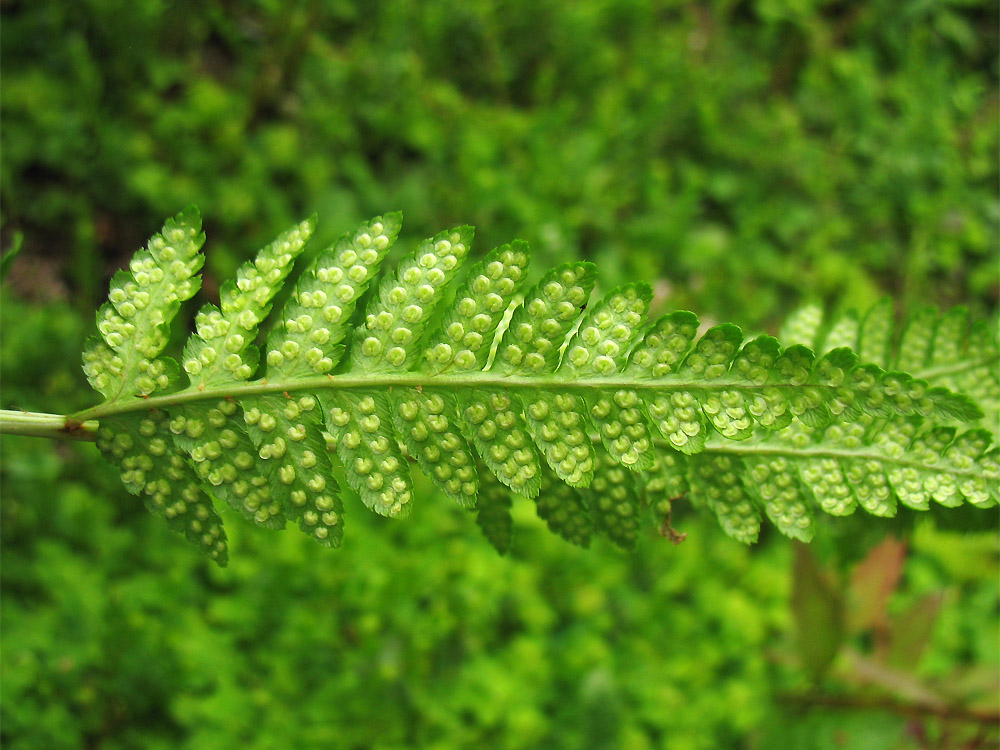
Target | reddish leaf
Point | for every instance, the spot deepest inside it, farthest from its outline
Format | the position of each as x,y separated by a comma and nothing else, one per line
872,582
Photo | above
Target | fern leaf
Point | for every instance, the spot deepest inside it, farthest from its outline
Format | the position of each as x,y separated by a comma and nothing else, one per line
390,336
966,358
493,514
785,501
875,333
501,437
222,350
613,501
599,348
441,450
294,471
308,342
557,421
389,340
563,510
802,326
718,481
946,350
493,419
124,365
366,445
665,481
463,339
917,340
847,466
221,354
133,324
676,415
225,459
605,420
843,333
462,344
315,321
140,444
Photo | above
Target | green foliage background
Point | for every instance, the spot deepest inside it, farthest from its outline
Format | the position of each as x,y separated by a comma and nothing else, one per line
749,156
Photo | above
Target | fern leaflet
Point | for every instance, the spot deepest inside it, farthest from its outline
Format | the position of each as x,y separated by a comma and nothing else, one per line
945,349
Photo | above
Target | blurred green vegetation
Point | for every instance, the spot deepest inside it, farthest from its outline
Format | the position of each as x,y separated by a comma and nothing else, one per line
745,156
750,154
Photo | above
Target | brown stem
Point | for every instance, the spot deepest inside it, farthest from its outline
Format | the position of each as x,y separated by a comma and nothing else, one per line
909,710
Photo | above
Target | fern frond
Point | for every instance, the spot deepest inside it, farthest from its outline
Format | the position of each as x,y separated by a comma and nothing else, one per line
947,349
601,417
869,464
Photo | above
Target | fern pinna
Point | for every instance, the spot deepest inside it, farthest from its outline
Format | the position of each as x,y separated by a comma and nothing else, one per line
945,349
494,387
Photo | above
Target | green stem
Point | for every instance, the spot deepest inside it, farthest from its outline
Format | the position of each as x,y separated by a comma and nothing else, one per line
738,448
953,368
53,426
379,381
59,426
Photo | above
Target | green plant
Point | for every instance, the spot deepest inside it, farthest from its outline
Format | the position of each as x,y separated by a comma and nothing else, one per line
858,146
944,349
603,417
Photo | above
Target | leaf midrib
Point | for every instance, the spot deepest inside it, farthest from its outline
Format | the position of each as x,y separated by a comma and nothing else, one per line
954,368
473,380
742,448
